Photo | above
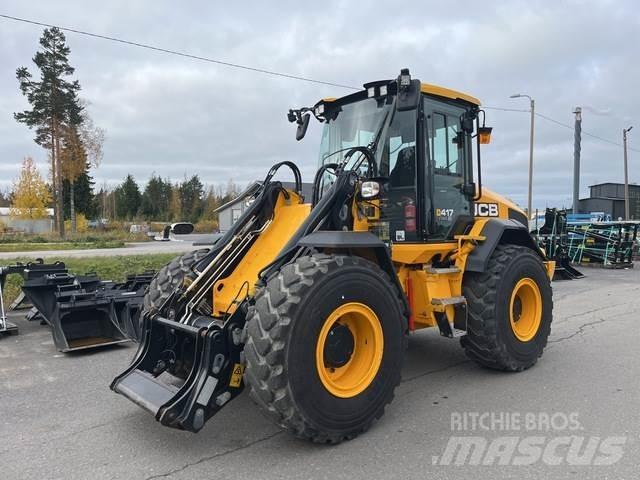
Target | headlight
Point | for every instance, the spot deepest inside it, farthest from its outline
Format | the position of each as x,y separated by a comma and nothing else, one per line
369,189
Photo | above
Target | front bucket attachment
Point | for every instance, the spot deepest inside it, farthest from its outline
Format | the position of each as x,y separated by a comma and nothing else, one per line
83,320
41,291
207,367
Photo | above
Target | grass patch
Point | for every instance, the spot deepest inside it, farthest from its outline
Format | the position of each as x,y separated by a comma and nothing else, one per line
93,237
37,246
108,268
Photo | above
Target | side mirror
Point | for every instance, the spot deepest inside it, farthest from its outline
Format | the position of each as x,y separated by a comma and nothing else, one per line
469,189
302,126
182,228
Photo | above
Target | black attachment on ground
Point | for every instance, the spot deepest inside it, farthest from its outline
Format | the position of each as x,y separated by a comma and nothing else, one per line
86,312
553,238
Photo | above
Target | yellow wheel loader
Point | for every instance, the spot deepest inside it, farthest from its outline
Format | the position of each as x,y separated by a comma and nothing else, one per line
308,303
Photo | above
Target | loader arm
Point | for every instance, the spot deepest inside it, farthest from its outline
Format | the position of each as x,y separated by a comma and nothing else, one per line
188,363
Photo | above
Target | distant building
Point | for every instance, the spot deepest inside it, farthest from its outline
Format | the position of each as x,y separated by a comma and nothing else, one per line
230,212
40,225
609,198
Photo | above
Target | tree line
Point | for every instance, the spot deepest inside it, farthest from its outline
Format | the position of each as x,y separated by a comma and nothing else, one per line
163,200
159,200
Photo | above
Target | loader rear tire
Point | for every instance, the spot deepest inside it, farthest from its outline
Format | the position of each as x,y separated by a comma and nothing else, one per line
324,346
509,310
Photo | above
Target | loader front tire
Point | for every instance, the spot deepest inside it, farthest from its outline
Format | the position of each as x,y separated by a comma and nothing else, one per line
170,277
324,346
509,310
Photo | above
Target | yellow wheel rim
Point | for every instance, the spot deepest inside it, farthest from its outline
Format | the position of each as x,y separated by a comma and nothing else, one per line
362,364
525,309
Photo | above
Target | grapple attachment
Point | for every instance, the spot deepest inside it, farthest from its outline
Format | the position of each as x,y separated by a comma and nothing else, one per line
81,320
184,394
84,312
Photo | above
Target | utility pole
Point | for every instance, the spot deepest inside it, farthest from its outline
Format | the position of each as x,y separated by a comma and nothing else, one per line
577,137
625,131
532,104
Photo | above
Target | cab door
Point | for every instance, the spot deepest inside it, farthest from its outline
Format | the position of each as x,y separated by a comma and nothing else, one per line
446,152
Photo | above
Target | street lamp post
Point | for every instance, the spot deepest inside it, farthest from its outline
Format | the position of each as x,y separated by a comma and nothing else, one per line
625,131
533,115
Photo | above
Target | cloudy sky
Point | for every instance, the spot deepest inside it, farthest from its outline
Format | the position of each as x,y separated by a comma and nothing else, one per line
175,116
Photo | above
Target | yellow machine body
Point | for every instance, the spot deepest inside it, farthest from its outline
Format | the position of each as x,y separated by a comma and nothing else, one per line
426,288
288,215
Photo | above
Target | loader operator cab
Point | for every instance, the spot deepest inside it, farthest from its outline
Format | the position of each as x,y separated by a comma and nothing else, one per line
423,155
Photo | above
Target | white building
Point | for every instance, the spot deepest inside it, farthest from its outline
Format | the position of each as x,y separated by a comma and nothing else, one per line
40,225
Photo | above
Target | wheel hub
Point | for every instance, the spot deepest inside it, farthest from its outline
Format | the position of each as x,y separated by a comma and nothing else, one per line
349,350
525,309
338,346
517,309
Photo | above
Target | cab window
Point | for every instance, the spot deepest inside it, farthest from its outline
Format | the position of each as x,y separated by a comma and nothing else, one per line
444,144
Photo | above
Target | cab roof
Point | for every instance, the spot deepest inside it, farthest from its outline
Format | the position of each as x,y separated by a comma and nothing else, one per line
437,90
447,93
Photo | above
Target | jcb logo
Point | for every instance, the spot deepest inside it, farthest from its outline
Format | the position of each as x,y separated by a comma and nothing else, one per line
486,210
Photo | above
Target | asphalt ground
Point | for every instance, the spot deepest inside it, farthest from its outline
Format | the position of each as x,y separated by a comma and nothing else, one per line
184,243
59,420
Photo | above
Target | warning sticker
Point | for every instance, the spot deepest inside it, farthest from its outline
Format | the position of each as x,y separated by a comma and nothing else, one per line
236,375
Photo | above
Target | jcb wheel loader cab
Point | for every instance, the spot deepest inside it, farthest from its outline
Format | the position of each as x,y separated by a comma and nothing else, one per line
325,344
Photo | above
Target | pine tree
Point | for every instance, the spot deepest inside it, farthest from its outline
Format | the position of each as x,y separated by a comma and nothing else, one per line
54,103
85,201
128,199
31,194
191,193
156,199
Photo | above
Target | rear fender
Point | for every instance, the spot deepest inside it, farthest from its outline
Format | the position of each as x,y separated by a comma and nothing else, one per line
499,231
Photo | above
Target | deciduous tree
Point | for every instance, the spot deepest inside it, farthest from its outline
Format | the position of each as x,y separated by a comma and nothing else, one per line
31,195
82,149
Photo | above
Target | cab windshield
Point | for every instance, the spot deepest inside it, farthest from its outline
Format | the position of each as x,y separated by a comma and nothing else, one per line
352,125
368,123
